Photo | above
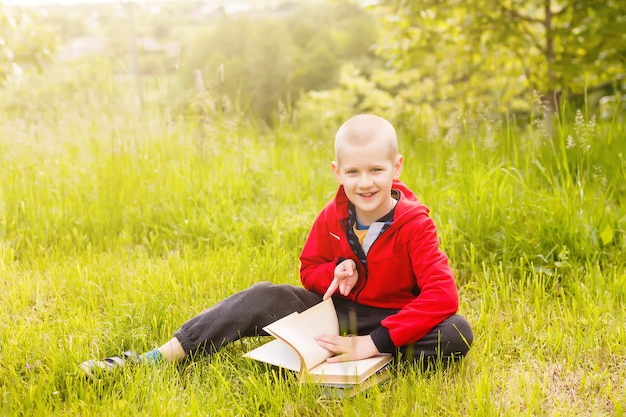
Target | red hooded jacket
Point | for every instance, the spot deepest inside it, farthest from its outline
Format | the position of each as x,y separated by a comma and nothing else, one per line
406,270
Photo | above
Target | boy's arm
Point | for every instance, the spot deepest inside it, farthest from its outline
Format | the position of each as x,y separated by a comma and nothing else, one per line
319,256
438,298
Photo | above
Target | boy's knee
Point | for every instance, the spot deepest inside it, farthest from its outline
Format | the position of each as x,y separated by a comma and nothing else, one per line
261,292
288,296
269,289
448,341
265,302
457,333
260,286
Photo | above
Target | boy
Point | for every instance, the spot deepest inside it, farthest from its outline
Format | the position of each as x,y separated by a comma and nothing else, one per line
373,249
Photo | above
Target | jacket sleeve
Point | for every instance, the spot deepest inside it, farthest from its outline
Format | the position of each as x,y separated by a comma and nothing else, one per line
318,259
438,298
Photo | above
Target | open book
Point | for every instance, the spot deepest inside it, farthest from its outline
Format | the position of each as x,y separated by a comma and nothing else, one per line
295,348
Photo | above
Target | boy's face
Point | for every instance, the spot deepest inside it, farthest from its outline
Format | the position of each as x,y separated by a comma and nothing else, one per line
367,173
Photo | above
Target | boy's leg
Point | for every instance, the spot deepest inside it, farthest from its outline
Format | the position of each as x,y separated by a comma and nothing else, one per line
450,340
242,314
171,351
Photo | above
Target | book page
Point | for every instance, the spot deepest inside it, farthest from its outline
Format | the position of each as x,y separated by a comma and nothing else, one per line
300,331
276,353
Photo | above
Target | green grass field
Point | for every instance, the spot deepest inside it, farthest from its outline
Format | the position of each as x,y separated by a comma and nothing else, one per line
115,228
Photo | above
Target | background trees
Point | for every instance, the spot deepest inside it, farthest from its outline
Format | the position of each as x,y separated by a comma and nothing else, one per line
402,57
262,63
500,51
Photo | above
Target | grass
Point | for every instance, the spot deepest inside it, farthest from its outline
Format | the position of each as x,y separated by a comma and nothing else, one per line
116,228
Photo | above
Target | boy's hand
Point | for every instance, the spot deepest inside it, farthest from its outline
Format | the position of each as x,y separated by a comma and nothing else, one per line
346,277
349,348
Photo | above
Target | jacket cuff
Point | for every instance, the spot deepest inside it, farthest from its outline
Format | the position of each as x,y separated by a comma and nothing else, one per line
382,340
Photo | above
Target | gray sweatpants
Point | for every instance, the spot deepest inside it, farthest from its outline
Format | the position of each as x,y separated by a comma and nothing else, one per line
245,314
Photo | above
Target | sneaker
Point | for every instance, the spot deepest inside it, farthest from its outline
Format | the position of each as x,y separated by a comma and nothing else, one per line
93,368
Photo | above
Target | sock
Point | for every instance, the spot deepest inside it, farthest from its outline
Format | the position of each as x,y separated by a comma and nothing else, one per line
152,357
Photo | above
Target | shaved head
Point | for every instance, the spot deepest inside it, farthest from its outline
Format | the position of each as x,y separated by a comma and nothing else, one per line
364,129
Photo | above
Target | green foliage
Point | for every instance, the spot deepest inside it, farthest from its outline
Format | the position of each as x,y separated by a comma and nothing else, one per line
260,66
575,183
52,97
500,51
380,91
25,43
440,56
255,64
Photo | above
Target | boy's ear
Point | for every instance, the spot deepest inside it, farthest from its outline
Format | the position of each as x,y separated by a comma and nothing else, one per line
335,168
397,168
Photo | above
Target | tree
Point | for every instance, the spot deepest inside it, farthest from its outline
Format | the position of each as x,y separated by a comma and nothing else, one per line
245,64
25,43
505,49
269,68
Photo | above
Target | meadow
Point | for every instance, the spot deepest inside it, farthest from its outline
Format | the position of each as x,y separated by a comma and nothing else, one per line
118,225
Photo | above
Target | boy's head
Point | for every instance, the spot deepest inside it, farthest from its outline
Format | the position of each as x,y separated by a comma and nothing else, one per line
363,129
367,162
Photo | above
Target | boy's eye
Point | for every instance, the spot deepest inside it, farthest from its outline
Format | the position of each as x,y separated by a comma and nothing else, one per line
351,171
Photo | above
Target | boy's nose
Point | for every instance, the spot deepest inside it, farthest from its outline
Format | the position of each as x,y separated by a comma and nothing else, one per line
365,181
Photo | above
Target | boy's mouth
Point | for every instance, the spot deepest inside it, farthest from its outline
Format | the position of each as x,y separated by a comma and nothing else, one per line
367,195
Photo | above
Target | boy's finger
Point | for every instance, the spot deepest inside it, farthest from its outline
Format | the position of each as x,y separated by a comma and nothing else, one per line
331,288
339,358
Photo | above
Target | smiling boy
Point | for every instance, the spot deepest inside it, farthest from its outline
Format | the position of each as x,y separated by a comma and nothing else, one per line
373,249
375,244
